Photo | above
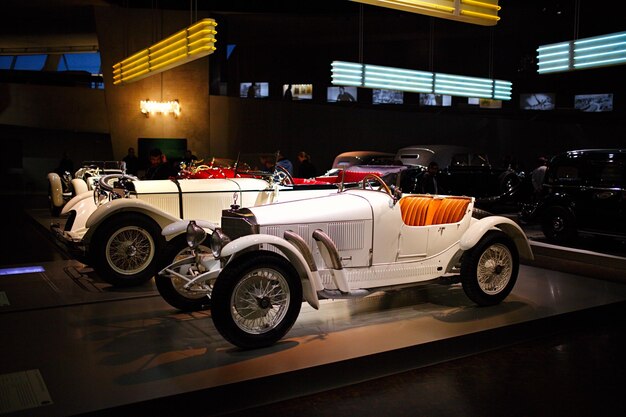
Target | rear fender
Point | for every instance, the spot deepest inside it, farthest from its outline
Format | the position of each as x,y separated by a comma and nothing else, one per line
56,189
478,229
311,281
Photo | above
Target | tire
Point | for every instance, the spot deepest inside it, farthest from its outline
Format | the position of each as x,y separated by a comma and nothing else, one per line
558,224
125,249
509,183
233,292
489,270
196,298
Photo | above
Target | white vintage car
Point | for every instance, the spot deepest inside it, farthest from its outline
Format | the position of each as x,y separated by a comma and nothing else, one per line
266,260
117,230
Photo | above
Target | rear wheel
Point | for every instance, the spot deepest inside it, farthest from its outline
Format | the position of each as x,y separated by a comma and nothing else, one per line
489,270
125,249
256,300
194,298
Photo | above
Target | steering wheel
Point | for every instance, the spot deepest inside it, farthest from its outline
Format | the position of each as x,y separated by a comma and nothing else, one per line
381,184
282,176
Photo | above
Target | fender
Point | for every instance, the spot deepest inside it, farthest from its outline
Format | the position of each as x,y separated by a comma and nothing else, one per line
79,186
311,281
76,200
56,189
180,226
478,229
128,205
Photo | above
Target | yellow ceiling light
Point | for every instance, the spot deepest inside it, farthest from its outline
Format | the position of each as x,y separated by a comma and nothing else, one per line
151,107
484,12
191,43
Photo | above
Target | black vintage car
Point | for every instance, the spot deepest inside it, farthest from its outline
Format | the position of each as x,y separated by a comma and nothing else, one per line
583,191
464,171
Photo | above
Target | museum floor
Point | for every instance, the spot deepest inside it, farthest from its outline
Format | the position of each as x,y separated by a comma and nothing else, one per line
73,346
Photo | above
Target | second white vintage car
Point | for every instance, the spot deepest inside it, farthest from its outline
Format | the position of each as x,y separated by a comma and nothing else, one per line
266,260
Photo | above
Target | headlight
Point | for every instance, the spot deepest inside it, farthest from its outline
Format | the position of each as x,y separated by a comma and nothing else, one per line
195,235
218,241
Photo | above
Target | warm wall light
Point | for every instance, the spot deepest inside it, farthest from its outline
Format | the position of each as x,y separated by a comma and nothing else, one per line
376,76
149,107
599,51
191,43
483,12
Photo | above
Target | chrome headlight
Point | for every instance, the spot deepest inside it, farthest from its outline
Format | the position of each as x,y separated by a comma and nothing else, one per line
218,241
195,235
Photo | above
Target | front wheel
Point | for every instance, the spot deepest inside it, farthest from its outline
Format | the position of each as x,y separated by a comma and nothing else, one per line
194,298
125,249
558,224
256,300
489,270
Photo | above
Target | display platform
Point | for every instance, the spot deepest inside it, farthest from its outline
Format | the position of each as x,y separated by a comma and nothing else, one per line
105,352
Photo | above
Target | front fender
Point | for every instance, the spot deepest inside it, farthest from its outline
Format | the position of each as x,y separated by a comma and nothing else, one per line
79,185
311,281
75,201
180,226
478,229
127,205
56,189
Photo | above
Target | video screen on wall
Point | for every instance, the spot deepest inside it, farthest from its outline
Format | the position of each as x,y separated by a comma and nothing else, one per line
341,93
298,91
431,99
593,102
537,101
254,90
383,96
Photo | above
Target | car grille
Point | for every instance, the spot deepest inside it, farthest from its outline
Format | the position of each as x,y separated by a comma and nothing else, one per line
237,223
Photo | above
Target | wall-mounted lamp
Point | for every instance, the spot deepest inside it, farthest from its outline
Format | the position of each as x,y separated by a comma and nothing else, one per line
599,51
483,12
149,107
191,43
376,76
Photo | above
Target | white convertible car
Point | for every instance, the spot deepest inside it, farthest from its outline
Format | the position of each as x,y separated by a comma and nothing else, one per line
117,230
266,260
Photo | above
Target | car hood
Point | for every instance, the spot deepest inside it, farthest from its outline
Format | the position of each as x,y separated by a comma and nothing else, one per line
347,206
199,185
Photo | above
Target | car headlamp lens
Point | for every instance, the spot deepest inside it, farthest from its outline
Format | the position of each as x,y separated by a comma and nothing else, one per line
218,241
195,235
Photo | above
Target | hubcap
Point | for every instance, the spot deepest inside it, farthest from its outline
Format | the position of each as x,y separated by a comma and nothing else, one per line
130,250
495,268
260,301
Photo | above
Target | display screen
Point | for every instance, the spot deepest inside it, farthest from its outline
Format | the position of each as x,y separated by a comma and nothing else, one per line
473,101
298,91
431,99
254,90
593,102
537,101
334,94
383,96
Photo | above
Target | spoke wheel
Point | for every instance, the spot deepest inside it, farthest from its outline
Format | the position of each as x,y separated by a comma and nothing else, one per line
256,300
489,270
125,249
192,298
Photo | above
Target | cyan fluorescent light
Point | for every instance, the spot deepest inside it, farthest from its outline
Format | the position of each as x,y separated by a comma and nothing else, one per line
598,51
22,270
391,78
483,12
191,43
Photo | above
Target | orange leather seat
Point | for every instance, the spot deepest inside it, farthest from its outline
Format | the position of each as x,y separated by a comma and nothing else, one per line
425,211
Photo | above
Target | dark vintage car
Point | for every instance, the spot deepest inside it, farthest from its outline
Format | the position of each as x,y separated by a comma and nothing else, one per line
464,171
583,191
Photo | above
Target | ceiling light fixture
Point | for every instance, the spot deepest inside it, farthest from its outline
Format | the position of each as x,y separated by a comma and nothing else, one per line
484,12
189,44
151,107
376,76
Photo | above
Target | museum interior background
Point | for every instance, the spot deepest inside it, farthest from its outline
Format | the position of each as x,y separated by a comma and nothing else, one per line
46,112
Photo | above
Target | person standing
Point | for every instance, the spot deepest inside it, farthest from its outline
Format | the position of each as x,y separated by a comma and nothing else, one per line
428,183
159,167
132,162
306,169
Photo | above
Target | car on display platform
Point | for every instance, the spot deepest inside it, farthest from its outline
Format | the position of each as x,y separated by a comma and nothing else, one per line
264,261
464,171
116,228
584,191
62,186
